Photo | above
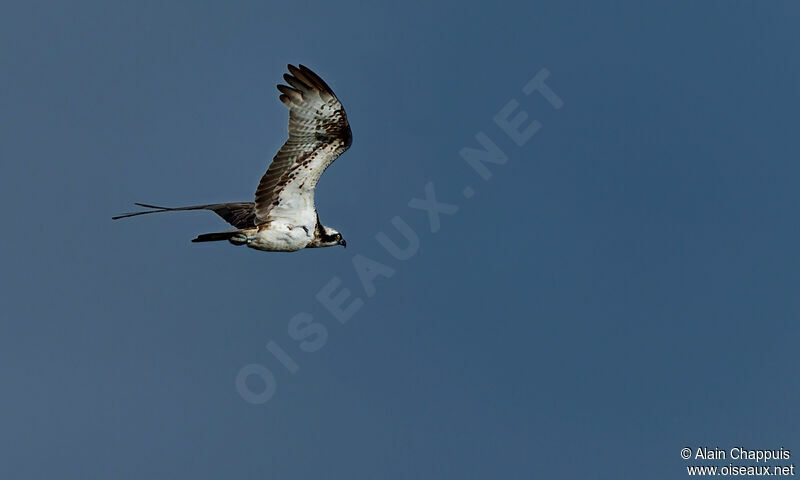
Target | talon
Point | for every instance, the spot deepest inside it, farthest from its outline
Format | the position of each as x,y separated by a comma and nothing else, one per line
239,239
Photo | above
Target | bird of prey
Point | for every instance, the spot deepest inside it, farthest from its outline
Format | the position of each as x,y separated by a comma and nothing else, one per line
283,217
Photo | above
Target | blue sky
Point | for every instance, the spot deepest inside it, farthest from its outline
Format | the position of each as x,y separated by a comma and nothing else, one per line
623,286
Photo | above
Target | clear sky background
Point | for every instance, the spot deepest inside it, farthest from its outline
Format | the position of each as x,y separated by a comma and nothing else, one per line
624,286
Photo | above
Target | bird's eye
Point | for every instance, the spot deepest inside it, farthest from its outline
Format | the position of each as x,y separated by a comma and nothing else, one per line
338,236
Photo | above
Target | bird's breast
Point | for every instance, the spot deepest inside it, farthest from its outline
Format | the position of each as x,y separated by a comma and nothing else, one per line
281,237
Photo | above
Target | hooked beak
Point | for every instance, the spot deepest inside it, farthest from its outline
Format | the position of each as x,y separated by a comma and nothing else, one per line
343,243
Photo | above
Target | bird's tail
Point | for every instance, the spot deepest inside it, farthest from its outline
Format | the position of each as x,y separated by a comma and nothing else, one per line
236,237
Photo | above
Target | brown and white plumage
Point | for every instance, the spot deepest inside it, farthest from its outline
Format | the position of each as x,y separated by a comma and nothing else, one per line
318,134
283,216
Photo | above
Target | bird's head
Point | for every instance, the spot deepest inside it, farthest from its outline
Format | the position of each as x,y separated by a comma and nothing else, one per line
328,237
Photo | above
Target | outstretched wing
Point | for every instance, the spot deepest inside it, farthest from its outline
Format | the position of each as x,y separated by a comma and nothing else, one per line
238,214
318,134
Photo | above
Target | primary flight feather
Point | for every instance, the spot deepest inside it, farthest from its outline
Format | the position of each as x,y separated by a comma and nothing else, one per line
283,217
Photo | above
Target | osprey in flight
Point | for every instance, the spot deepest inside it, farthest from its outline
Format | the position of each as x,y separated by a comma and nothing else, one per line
283,217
